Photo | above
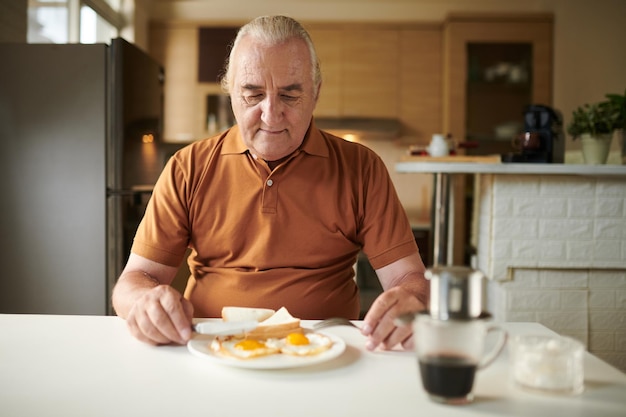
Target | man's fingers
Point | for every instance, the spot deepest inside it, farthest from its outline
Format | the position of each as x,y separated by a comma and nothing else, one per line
163,322
178,324
160,317
380,319
142,328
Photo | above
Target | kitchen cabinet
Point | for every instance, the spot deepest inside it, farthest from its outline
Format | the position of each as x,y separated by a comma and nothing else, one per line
420,94
360,71
329,48
189,99
176,48
494,66
381,71
371,55
213,50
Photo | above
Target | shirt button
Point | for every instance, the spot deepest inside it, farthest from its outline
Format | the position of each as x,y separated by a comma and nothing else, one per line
270,183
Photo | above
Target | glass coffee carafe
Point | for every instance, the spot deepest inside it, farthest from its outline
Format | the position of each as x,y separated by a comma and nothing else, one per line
451,336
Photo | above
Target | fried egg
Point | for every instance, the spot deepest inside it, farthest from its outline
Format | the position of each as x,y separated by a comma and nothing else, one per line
243,348
298,344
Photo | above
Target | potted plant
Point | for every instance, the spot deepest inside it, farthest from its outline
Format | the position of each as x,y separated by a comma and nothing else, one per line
619,105
595,123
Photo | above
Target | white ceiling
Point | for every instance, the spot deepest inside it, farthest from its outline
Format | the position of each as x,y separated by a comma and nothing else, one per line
333,10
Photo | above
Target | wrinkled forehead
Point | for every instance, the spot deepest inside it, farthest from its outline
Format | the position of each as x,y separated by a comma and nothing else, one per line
271,65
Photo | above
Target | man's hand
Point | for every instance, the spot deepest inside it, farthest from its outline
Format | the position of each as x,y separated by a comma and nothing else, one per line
379,323
161,316
405,288
155,312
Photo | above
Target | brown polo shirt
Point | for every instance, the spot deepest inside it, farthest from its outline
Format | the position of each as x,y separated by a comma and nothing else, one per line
287,237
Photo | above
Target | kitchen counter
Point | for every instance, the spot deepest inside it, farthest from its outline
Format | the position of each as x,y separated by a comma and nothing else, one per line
448,165
444,167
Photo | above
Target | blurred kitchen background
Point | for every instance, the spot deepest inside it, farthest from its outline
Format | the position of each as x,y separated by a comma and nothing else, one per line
391,78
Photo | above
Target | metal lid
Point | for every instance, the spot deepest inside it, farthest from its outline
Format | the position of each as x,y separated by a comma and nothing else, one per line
455,292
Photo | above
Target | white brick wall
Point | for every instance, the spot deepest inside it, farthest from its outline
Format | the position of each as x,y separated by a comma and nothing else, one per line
554,249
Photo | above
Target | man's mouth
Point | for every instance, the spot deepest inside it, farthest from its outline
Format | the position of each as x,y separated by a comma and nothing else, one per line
272,131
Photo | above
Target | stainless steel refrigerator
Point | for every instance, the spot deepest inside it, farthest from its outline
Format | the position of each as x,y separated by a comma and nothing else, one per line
80,148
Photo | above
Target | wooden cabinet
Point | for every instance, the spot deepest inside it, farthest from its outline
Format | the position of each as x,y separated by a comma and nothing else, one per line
176,48
494,65
329,48
392,71
382,70
503,35
360,71
371,54
420,94
213,50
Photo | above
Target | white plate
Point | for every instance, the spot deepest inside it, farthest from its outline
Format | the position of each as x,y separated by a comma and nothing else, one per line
199,346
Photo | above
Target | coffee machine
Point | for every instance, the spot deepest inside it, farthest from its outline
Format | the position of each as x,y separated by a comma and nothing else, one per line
548,123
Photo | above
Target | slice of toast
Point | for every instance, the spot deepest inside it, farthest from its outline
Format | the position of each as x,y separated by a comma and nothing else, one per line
279,325
246,313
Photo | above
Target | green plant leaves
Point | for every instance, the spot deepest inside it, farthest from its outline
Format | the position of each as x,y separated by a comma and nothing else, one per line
599,118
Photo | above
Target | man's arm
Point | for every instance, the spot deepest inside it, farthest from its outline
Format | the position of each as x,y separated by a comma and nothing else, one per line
406,290
155,312
408,273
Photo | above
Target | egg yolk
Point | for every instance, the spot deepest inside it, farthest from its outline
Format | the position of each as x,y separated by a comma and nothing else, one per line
297,339
249,344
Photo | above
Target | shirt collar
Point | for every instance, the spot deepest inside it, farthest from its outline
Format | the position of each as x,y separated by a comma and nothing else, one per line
233,143
313,143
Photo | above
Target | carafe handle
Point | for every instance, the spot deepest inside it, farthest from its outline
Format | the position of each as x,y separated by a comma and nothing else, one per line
495,351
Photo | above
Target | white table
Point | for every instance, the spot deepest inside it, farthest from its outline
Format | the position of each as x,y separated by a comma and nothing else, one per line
90,366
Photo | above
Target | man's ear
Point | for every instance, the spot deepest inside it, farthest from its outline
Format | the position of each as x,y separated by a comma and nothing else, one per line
317,93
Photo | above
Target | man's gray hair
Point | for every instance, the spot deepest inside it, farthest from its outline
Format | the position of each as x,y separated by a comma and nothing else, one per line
273,30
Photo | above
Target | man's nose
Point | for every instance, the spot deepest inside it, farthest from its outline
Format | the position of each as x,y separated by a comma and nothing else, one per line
271,110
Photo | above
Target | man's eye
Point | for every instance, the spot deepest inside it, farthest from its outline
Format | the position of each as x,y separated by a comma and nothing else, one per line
289,98
253,98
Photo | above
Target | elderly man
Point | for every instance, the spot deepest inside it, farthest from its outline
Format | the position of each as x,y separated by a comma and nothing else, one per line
274,210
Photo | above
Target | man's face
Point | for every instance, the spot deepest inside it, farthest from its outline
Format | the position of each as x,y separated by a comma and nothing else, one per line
273,96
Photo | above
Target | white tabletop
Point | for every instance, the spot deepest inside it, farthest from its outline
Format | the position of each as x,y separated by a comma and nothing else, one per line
90,366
